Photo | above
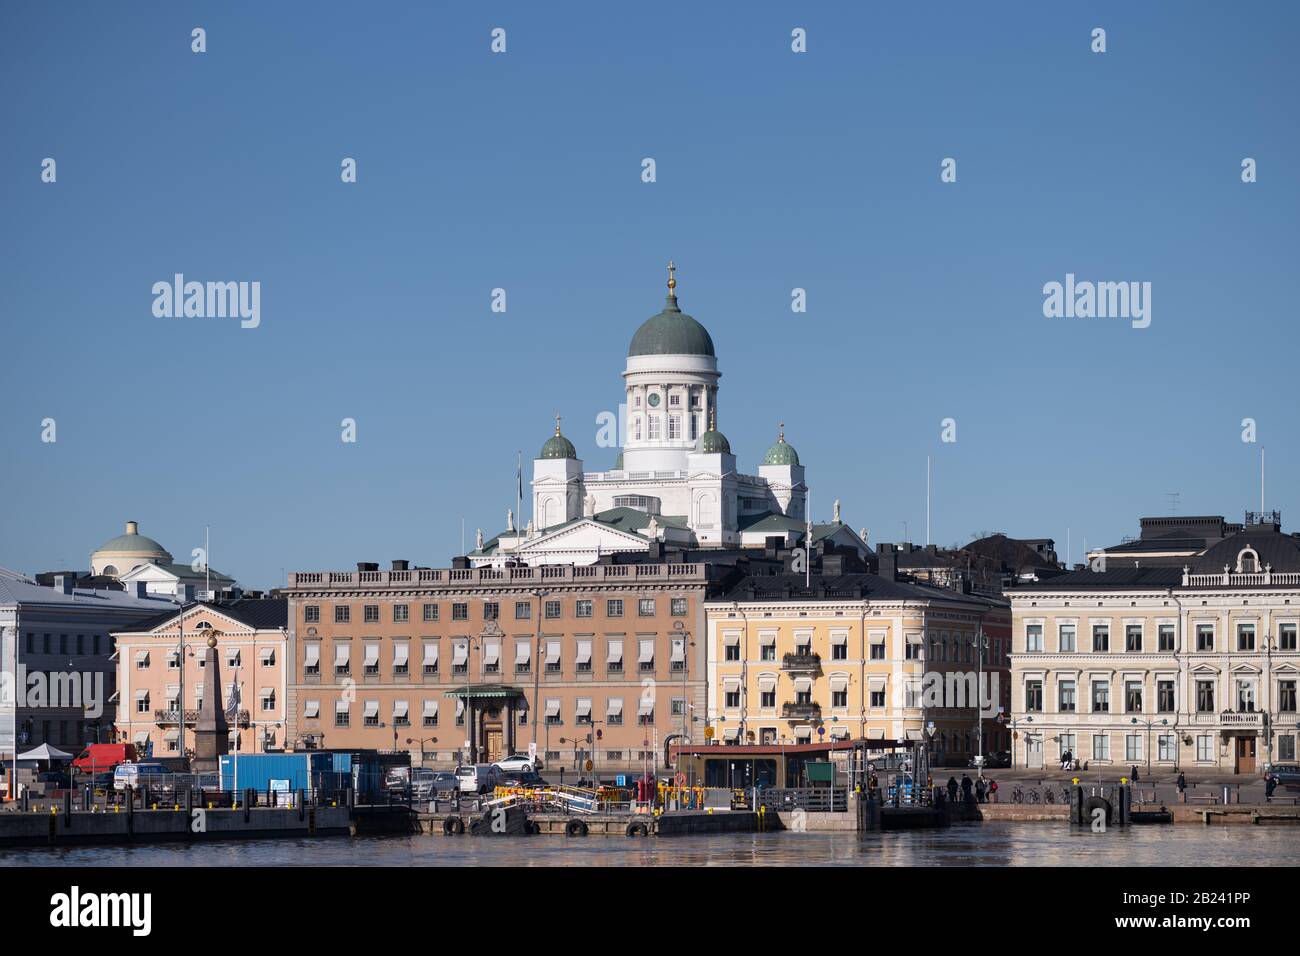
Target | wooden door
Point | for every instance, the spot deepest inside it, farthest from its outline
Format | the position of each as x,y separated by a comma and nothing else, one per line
1245,755
494,744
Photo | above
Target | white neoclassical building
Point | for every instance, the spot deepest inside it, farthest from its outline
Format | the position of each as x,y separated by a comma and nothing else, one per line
675,480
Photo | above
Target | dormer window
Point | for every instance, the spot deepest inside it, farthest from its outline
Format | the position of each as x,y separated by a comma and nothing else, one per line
1248,561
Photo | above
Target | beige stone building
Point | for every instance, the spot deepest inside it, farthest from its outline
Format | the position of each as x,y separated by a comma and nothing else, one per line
856,655
1193,667
161,674
428,659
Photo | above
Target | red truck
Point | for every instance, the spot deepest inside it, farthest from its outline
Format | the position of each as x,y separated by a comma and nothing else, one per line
101,758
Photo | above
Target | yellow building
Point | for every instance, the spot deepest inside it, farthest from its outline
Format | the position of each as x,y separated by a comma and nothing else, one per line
856,656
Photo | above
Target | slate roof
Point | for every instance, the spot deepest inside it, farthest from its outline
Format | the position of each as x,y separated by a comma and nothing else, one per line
857,586
1280,552
258,613
1153,578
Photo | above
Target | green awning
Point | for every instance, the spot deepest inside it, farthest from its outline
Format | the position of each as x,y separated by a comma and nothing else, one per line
484,690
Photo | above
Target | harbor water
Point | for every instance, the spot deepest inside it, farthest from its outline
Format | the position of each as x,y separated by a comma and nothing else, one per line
979,844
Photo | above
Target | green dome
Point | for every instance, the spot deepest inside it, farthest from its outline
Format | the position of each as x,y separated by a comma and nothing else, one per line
713,442
557,446
782,453
671,332
618,462
133,543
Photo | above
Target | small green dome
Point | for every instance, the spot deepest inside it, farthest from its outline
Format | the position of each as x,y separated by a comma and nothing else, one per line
782,453
713,442
618,462
557,446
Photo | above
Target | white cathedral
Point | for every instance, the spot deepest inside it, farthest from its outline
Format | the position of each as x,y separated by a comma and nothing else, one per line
675,480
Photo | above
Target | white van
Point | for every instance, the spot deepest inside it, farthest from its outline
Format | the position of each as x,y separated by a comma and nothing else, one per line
476,777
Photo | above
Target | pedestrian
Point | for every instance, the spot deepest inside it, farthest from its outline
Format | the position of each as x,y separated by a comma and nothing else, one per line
1182,782
966,785
980,789
1134,775
993,790
952,789
1270,784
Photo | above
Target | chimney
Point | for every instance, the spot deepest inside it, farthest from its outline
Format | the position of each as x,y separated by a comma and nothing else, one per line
141,589
132,528
888,561
65,583
367,566
187,594
400,565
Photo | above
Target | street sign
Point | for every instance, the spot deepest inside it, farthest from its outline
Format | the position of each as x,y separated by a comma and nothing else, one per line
821,731
621,780
587,766
708,733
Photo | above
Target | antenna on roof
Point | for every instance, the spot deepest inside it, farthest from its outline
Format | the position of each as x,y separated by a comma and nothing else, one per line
1261,479
1173,497
927,499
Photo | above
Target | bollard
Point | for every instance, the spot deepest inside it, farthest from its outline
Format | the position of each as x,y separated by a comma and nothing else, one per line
67,809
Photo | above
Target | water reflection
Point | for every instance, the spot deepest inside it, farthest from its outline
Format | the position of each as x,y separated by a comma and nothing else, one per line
986,844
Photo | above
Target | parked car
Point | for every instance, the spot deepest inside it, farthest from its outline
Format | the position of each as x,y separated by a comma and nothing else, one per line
1287,774
130,775
476,777
97,757
520,778
518,762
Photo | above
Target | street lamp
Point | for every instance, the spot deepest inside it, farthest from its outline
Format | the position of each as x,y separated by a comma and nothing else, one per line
1149,724
1013,723
421,741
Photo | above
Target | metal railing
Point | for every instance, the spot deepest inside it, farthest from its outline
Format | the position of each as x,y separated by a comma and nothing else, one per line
815,799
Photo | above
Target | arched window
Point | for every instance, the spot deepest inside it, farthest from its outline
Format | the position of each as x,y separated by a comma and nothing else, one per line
1248,561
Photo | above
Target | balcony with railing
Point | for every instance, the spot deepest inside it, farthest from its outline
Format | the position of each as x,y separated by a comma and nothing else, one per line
799,710
801,662
455,578
169,718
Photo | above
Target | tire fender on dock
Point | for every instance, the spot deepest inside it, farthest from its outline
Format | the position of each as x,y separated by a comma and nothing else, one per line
453,826
637,829
575,828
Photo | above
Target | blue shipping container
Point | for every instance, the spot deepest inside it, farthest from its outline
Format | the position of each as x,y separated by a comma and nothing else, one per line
309,770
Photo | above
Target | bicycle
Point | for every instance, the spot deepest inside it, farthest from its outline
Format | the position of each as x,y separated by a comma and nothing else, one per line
1033,795
1017,794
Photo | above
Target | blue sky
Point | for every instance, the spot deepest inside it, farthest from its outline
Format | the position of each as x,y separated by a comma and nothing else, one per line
522,171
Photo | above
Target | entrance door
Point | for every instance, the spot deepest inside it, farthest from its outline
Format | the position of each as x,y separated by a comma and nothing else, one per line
1034,752
494,740
1245,755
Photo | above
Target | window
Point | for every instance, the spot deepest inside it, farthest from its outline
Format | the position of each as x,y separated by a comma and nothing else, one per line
311,660
1167,747
460,611
1205,748
1066,689
732,651
913,651
1066,638
311,614
1101,746
342,714
840,698
678,706
878,698
523,610
1166,638
430,612
1205,637
583,660
878,651
142,660
1165,700
646,607
1286,747
1133,747
1034,696
767,698
491,610
840,651
552,610
1286,637
460,657
614,608
1286,696
342,614
401,655
372,613
401,613
733,698
1133,697
372,659
1101,697
674,427
653,422
674,400
342,659
430,662
1205,697
430,716
767,651
370,717
141,703
1245,697
1245,637
583,609
1101,637
679,610
1069,742
552,657
646,655
1033,638
1133,638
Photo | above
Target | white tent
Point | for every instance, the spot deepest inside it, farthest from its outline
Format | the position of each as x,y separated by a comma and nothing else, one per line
45,752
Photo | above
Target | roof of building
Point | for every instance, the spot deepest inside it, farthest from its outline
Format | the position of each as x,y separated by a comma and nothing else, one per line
19,589
623,519
713,442
557,446
186,572
1277,550
258,613
1011,553
856,586
781,453
1153,578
